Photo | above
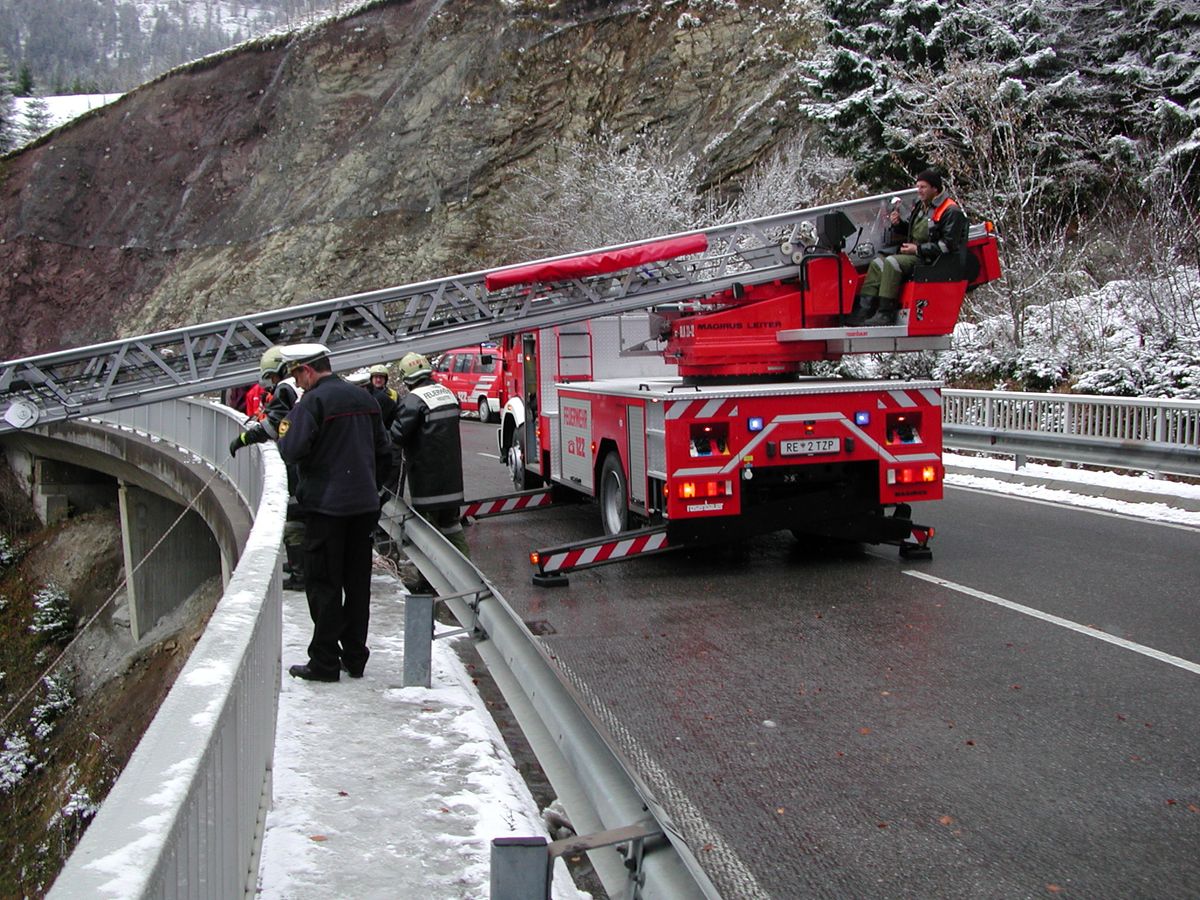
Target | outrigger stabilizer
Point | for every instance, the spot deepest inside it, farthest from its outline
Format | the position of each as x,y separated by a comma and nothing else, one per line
554,562
916,545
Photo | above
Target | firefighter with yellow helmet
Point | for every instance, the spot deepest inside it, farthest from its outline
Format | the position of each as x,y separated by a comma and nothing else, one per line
283,393
426,431
385,396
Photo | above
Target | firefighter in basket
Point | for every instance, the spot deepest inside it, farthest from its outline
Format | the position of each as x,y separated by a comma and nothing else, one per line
936,227
426,432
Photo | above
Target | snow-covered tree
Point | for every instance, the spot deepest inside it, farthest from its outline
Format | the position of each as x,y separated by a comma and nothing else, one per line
56,700
8,552
15,760
1127,69
53,619
9,126
37,119
602,191
800,172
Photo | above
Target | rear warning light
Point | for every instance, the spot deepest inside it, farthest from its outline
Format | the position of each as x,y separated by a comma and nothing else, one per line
691,490
913,475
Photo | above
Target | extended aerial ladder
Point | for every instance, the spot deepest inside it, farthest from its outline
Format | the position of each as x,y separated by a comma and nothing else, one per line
430,316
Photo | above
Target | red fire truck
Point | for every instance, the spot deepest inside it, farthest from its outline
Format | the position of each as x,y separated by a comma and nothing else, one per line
696,423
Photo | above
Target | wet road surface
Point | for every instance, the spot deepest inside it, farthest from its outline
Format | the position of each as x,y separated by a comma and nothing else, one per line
830,724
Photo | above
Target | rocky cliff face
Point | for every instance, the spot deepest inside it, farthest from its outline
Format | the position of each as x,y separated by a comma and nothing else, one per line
363,154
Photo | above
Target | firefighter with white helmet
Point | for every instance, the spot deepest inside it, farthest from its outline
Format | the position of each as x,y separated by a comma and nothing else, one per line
426,431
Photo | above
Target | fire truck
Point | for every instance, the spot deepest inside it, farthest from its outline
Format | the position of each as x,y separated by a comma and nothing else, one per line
666,378
720,435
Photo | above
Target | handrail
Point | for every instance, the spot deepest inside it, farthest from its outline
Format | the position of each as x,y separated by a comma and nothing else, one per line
185,817
1161,435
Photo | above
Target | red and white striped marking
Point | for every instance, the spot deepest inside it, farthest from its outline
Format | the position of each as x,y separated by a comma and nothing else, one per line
561,561
497,505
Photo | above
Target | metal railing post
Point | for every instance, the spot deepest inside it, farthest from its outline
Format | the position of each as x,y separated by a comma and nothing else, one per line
418,640
520,868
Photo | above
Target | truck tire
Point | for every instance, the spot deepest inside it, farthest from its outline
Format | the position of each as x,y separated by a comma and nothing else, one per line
522,478
485,411
613,495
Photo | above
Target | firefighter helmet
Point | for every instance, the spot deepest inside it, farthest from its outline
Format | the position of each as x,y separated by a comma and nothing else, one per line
379,369
272,363
414,367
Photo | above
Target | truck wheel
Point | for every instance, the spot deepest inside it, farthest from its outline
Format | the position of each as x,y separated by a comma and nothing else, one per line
522,479
485,411
613,495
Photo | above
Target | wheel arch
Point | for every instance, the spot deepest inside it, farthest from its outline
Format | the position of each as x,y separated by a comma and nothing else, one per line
607,445
511,417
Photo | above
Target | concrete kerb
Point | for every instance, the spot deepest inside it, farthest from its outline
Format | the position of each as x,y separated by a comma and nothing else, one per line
1112,492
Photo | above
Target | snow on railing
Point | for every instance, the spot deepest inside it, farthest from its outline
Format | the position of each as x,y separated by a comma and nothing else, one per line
1131,432
184,818
1093,416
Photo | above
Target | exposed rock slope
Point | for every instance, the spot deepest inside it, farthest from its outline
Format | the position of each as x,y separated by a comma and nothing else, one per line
362,154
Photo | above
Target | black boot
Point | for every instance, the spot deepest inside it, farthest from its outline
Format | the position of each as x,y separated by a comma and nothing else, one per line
864,308
295,565
886,314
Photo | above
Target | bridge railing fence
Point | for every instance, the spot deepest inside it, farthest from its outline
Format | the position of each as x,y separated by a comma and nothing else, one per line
185,817
1157,435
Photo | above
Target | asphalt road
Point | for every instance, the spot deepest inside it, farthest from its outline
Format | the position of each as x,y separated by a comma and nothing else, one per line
840,725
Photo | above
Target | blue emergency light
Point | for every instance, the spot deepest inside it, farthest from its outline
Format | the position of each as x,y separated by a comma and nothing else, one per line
862,417
754,423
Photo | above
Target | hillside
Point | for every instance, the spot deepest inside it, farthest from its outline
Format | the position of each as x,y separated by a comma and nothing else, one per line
371,151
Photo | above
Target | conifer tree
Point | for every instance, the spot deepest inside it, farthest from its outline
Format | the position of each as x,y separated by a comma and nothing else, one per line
37,118
9,130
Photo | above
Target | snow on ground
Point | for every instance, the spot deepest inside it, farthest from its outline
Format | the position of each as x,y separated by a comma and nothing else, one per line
64,108
1065,491
382,791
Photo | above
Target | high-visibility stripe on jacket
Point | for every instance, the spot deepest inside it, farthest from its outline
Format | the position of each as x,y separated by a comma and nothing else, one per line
426,429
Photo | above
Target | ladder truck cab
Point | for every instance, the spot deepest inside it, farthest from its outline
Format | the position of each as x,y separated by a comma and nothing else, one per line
697,421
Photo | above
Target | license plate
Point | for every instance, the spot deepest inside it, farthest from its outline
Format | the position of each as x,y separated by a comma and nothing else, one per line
811,446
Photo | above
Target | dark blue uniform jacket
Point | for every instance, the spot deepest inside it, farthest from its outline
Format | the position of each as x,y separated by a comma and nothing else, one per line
334,435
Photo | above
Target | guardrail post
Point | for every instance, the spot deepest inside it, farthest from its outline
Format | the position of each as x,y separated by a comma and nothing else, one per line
418,640
520,868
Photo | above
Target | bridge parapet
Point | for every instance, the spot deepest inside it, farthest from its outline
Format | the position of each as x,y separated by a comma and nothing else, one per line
185,817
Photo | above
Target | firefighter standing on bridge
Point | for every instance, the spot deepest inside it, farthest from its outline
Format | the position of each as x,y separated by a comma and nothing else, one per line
283,394
336,440
387,398
426,431
937,227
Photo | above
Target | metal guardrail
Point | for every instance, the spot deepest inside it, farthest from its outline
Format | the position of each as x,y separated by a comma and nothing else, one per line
185,817
1158,435
597,786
